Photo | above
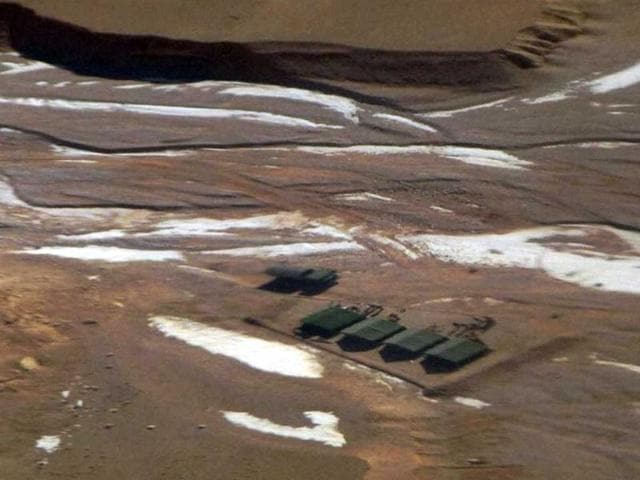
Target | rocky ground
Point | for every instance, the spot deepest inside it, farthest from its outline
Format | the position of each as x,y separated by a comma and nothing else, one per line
138,214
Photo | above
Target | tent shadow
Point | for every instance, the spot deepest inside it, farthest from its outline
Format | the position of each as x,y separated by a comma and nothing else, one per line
288,287
391,354
350,344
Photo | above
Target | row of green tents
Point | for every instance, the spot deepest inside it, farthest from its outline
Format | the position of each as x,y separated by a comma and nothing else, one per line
398,341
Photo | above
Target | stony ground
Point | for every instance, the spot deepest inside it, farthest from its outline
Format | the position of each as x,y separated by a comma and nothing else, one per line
137,218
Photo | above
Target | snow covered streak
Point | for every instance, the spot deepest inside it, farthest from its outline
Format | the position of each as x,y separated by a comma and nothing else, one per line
163,110
105,254
344,106
264,355
472,156
325,429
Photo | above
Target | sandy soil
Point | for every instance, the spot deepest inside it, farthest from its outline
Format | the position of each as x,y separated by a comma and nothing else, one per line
438,25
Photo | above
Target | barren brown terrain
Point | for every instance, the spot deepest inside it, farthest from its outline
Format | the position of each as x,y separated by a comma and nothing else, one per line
453,161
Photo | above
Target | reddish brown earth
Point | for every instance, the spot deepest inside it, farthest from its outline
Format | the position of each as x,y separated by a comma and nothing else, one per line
375,162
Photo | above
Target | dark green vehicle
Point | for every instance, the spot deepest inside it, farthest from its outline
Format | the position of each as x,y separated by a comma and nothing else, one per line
306,280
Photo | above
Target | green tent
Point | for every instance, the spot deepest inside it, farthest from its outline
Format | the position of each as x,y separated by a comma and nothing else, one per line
413,341
330,321
455,352
373,330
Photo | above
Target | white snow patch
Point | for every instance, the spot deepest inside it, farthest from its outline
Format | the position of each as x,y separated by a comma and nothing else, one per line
321,230
76,152
605,145
88,83
105,254
169,88
289,249
471,402
482,157
133,86
624,366
264,355
344,106
440,209
325,429
451,113
13,68
93,236
564,261
405,121
8,195
552,97
616,81
77,161
207,227
362,197
48,443
65,394
164,110
469,155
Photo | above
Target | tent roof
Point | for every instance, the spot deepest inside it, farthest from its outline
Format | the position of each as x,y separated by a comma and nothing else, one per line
456,351
415,340
373,329
331,320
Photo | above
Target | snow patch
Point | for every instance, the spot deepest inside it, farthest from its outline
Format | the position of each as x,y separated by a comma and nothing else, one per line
264,355
440,209
623,79
552,97
405,121
451,113
90,237
362,197
471,402
164,110
289,249
624,366
13,68
48,443
325,429
473,156
344,106
105,254
566,261
605,145
76,152
133,86
207,227
8,195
